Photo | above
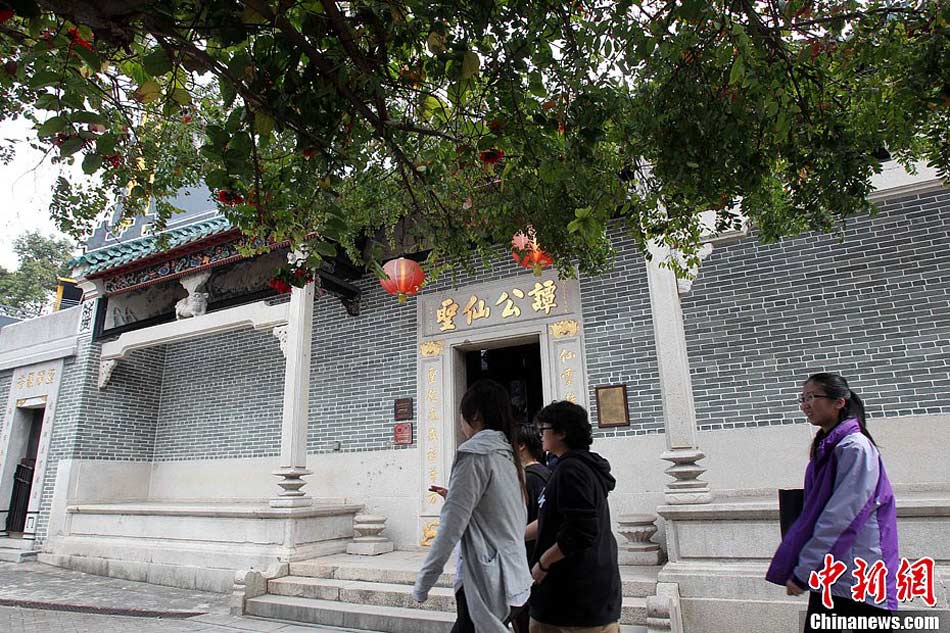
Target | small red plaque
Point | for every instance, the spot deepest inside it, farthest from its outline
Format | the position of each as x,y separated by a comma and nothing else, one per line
402,433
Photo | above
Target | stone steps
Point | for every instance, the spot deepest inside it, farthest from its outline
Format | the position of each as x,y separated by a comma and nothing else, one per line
374,594
363,616
633,609
17,550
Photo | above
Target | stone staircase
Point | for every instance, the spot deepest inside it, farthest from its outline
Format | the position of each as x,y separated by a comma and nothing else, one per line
373,593
17,550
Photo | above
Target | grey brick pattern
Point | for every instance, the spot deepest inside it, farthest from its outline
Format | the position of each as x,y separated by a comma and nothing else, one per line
116,423
6,378
619,342
221,397
873,306
362,364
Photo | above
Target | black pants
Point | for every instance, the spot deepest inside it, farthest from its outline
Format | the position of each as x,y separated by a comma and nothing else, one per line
463,621
842,607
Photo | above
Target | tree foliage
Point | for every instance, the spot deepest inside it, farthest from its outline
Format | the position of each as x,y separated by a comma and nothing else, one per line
29,288
452,125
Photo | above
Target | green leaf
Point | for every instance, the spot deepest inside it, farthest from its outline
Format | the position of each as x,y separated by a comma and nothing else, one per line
263,123
91,163
43,78
157,63
147,92
51,126
470,64
88,117
89,57
217,179
325,248
737,72
181,96
71,146
105,144
228,93
47,101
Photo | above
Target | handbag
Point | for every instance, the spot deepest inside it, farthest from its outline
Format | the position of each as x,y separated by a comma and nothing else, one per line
790,504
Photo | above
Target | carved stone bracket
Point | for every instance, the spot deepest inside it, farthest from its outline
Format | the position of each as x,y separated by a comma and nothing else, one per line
664,613
685,284
369,540
280,333
431,348
106,368
638,529
563,329
687,487
196,303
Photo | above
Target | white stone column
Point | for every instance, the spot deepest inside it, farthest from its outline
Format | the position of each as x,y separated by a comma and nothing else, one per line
679,412
293,436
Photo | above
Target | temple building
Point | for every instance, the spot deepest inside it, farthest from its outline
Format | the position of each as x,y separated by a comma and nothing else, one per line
188,425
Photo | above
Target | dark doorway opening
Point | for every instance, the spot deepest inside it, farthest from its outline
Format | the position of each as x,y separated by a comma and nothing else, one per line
23,477
517,368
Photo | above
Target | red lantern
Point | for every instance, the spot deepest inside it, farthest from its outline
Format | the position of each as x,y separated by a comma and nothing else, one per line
405,278
526,252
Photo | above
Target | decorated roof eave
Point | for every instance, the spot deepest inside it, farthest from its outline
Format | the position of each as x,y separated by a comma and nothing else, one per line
151,259
146,248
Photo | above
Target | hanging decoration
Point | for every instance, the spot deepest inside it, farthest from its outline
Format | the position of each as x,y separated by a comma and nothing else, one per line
405,278
527,253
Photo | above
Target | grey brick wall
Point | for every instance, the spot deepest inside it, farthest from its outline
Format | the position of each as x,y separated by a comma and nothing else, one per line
116,423
618,336
221,398
6,377
873,306
362,364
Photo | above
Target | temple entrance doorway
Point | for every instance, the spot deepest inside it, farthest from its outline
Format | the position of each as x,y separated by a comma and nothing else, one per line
516,365
24,446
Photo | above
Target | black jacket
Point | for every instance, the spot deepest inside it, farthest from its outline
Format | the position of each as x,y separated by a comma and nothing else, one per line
584,588
535,479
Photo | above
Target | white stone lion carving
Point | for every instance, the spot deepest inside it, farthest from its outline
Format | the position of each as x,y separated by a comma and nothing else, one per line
193,305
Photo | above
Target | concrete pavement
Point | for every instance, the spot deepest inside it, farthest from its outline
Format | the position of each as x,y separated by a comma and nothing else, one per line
38,598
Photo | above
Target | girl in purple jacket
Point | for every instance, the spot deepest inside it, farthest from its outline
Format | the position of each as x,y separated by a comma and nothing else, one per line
849,509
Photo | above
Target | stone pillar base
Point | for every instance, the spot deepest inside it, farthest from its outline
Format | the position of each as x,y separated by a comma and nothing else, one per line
638,529
368,541
370,548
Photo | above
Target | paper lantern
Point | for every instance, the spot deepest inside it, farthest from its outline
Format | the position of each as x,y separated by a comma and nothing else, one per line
405,278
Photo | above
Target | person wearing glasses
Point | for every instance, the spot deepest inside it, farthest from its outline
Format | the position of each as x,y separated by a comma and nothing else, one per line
849,510
576,575
484,514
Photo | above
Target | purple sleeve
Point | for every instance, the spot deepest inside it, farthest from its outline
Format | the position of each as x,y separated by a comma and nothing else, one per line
858,469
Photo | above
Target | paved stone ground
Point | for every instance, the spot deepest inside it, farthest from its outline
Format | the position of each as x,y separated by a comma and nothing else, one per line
38,598
20,620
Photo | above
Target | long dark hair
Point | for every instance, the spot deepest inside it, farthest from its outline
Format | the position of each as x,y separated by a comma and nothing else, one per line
836,386
488,402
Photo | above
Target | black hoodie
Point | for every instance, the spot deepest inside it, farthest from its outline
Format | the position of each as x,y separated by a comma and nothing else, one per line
584,588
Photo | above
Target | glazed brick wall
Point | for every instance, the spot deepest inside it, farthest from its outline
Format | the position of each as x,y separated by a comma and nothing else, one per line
872,305
116,423
221,397
362,364
618,337
6,377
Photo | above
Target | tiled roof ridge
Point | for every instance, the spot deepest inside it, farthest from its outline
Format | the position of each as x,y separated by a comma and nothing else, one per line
146,246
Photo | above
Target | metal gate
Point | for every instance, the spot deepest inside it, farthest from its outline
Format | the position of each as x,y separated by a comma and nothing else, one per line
20,501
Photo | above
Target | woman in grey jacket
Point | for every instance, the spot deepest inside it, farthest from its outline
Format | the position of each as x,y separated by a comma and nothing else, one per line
484,512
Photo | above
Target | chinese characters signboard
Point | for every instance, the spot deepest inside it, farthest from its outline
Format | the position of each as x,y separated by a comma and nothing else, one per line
513,300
